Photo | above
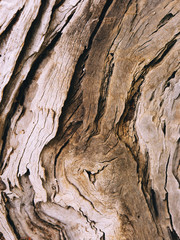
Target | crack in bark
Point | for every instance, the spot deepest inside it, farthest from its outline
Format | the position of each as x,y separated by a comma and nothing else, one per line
154,202
112,159
111,148
163,21
172,233
8,29
103,236
104,91
91,222
167,83
149,194
101,18
2,236
141,47
92,176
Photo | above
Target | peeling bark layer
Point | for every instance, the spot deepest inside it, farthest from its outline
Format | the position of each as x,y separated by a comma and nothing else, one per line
89,119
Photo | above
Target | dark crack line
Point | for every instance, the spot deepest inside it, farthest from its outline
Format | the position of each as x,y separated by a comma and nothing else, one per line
173,232
104,93
167,83
166,176
150,210
91,222
101,18
112,148
103,235
163,22
92,176
112,159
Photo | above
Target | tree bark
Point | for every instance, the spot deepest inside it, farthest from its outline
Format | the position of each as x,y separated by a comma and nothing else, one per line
89,119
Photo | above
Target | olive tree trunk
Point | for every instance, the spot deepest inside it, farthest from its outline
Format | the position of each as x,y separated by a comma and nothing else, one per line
89,119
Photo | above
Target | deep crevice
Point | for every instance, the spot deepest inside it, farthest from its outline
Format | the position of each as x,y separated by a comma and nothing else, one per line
152,96
103,236
2,236
164,20
172,234
79,72
166,174
103,94
89,174
154,202
7,31
57,5
167,83
74,91
101,17
164,127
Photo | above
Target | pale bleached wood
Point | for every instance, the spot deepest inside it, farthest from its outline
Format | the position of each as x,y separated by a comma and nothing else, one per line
89,119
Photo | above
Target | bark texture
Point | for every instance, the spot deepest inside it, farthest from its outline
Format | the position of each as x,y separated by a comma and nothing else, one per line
89,119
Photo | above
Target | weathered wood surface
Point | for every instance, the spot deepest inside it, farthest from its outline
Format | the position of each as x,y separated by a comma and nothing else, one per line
89,119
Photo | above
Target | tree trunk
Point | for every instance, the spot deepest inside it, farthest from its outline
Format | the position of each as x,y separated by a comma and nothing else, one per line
89,119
